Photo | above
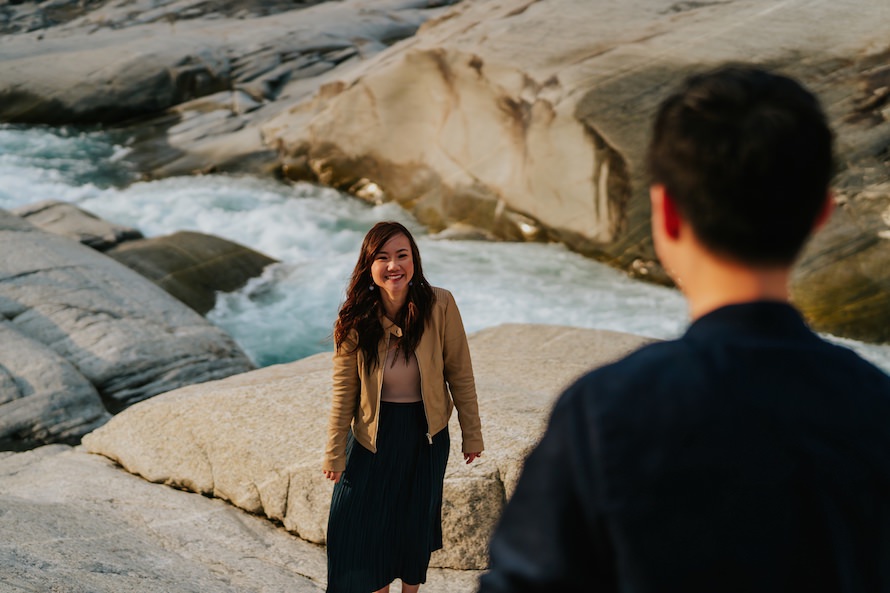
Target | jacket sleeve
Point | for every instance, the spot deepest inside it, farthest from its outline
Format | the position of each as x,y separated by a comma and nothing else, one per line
551,535
344,399
459,375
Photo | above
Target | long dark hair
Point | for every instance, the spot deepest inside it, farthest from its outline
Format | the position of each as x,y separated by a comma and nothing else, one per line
362,308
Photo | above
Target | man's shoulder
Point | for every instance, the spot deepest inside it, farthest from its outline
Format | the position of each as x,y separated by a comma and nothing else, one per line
635,373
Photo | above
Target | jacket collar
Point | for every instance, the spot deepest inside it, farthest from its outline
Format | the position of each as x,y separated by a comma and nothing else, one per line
389,327
424,349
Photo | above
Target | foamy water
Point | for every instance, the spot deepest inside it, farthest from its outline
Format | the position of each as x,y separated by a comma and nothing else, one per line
316,232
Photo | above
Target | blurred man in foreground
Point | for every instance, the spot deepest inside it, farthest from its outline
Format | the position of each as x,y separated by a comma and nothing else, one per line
749,454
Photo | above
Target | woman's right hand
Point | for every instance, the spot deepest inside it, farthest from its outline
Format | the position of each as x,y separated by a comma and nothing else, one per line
332,475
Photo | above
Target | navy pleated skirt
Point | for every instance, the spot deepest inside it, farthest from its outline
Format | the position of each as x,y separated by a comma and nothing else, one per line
386,511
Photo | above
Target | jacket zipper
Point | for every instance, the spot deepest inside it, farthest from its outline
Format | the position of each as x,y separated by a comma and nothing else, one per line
429,437
381,365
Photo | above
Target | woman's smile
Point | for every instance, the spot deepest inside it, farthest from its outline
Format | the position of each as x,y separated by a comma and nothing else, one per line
393,265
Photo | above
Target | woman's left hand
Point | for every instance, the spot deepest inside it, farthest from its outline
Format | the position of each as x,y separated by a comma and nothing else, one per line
469,457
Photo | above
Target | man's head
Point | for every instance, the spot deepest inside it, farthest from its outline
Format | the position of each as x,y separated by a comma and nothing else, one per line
745,158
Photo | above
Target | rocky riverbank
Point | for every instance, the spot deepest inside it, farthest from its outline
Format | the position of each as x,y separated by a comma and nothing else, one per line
522,119
255,440
517,119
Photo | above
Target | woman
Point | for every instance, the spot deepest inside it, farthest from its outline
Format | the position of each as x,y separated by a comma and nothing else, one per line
400,347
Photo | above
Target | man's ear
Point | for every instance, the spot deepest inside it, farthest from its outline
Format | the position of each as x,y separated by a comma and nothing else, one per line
668,216
824,212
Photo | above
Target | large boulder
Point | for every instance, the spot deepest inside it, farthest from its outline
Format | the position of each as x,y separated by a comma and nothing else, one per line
257,439
120,333
530,120
192,266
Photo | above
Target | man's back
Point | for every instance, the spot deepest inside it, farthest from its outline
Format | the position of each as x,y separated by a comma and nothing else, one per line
748,455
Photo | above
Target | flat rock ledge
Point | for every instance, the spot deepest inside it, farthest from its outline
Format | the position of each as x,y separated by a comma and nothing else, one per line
256,439
73,522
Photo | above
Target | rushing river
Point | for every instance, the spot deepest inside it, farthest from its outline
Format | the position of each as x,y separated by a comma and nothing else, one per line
316,232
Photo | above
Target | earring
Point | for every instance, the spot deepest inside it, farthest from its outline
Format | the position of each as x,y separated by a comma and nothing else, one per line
411,283
371,288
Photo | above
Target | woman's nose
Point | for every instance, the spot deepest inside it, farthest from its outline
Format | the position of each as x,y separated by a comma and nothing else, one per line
392,265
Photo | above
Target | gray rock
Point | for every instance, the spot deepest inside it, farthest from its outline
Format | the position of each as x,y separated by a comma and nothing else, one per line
128,337
73,522
192,266
257,439
43,398
124,60
68,220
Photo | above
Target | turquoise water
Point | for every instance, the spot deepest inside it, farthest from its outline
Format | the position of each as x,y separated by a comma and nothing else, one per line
316,232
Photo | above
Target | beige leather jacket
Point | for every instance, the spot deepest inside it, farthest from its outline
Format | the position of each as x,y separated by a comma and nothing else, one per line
443,356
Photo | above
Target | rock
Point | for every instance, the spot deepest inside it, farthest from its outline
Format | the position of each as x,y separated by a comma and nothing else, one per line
74,522
526,119
841,283
530,120
43,398
257,439
120,62
68,220
127,337
192,266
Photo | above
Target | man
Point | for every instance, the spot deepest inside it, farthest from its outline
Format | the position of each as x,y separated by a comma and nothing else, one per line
748,455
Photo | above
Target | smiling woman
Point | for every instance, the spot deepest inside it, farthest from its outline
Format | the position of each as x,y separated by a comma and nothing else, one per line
401,365
392,271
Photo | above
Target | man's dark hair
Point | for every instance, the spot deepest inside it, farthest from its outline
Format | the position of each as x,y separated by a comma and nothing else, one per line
746,156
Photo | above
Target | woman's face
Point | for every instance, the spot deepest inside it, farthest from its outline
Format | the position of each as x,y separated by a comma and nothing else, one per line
393,266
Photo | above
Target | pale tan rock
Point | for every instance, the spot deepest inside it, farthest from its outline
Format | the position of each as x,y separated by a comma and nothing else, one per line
257,439
530,119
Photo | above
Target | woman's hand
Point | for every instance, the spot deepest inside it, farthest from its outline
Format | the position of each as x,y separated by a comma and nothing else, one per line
469,457
335,476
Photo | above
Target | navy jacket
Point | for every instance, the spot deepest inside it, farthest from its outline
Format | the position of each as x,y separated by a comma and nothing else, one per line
748,455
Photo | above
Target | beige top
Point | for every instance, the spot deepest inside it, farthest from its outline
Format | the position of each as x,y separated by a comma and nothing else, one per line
401,379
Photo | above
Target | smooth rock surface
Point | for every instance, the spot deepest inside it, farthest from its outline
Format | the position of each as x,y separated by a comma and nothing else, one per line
257,439
73,522
114,61
69,220
126,337
192,266
530,119
43,397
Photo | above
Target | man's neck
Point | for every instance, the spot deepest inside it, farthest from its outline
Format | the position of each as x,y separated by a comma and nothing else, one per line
717,283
